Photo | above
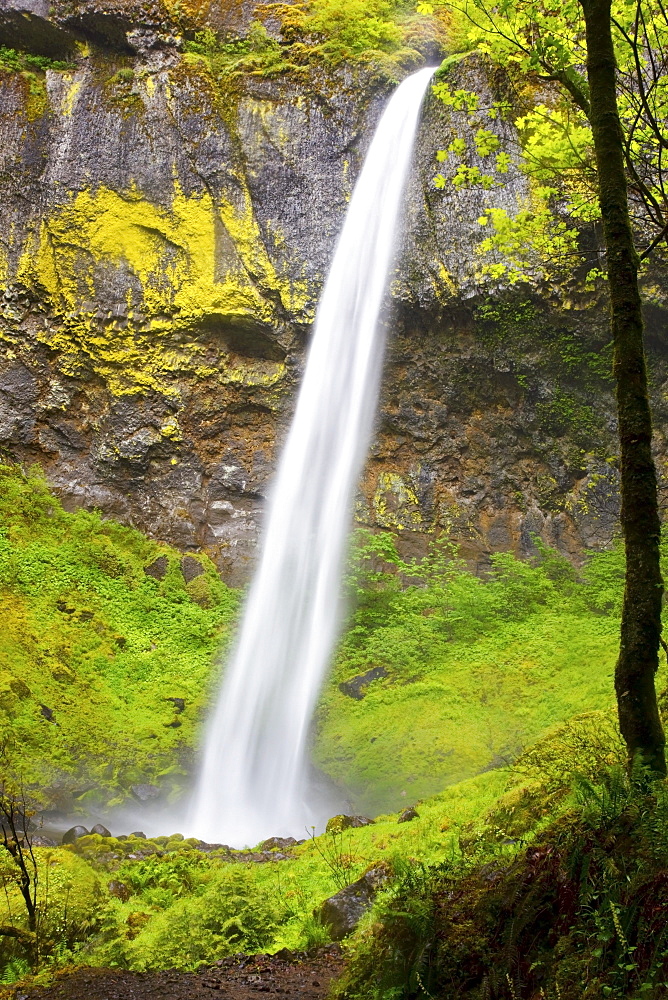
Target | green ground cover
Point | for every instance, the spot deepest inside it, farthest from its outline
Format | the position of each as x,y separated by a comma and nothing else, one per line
495,691
475,668
92,647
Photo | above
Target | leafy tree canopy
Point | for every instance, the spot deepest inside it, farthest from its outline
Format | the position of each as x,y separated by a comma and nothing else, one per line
542,48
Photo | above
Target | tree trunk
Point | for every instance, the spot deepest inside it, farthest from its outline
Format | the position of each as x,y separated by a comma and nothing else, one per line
639,719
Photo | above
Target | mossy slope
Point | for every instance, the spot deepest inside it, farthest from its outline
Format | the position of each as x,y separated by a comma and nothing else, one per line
474,669
92,647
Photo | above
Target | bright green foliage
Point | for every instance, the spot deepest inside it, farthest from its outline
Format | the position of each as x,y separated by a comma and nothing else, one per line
70,899
258,53
317,32
229,911
351,27
536,230
578,914
187,909
476,668
89,637
535,43
15,61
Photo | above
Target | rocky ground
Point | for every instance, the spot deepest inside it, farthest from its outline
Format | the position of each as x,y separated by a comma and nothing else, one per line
286,975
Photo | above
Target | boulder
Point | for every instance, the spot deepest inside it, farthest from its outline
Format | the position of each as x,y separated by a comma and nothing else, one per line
158,568
145,792
342,822
356,688
342,913
178,703
72,835
138,834
39,841
407,815
119,890
100,830
190,568
278,844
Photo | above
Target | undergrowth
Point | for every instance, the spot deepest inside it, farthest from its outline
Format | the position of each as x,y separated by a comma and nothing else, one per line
467,670
326,33
498,687
579,913
93,649
15,61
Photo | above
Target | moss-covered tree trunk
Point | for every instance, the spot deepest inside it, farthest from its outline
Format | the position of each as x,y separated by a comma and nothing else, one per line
639,719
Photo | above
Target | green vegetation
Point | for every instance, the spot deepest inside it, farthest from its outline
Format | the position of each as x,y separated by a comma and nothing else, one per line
577,912
14,61
325,33
474,670
160,903
92,647
532,45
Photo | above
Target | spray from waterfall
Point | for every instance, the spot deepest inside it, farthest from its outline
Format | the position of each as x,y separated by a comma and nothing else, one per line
253,780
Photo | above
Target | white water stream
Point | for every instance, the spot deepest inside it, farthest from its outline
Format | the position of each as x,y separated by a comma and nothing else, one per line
253,780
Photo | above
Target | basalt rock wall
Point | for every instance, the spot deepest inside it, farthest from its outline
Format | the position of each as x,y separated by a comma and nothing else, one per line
164,238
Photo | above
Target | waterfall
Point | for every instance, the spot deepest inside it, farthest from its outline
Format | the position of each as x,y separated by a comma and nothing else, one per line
252,783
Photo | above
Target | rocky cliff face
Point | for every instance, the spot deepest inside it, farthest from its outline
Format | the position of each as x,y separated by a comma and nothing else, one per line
164,238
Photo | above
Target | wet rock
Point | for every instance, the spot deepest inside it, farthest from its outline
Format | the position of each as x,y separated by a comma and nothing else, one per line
100,830
138,834
178,703
460,436
39,841
407,815
119,889
190,568
145,792
47,713
341,913
356,688
342,822
72,835
278,844
158,568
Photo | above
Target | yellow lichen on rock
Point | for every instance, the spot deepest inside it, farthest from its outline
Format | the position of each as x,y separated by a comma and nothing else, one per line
174,253
395,504
73,88
171,251
174,267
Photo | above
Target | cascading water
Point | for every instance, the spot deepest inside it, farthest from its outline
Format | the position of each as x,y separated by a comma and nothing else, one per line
253,779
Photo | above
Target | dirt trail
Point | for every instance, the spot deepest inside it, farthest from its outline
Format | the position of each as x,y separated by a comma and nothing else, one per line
289,975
